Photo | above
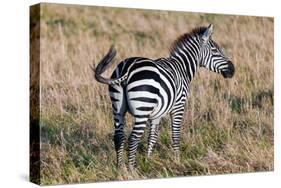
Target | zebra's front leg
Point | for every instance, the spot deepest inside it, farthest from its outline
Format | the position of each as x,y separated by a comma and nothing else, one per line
176,118
119,139
134,139
153,135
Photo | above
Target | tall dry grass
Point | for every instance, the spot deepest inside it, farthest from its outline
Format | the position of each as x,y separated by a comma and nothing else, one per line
228,125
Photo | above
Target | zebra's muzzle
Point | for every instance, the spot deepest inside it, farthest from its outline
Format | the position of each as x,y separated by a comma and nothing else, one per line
229,71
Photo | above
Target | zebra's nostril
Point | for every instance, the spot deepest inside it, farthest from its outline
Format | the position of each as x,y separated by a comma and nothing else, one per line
229,72
231,67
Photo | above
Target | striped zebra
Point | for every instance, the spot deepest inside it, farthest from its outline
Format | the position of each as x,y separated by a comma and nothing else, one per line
150,89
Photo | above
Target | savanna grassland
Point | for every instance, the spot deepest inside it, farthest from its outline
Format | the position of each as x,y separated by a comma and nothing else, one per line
228,124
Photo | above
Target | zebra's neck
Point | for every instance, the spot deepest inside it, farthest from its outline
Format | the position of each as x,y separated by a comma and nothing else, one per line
187,54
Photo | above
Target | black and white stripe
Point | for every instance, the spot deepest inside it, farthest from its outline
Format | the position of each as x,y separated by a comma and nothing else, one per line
150,89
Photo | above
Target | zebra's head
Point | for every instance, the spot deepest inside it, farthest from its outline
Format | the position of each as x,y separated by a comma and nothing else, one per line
212,56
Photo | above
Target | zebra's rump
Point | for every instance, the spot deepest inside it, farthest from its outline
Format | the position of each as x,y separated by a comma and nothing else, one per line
148,91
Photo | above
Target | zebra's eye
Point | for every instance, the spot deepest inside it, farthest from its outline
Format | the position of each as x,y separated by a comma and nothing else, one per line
215,50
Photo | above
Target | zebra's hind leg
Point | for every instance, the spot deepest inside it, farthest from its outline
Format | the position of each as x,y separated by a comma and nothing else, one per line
134,139
176,118
119,108
153,134
119,138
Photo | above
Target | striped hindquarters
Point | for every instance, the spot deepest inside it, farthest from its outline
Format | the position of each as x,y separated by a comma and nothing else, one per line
150,89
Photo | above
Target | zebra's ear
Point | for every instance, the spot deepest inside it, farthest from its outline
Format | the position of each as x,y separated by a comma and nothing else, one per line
207,34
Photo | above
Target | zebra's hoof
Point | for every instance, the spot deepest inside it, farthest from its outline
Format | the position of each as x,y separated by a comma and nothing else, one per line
121,165
132,166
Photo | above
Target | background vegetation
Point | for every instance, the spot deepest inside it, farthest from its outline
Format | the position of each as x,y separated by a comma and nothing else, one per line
228,125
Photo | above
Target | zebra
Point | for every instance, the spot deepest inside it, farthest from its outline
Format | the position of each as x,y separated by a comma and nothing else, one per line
150,89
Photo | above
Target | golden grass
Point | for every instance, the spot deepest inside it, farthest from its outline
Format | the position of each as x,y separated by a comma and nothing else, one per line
228,126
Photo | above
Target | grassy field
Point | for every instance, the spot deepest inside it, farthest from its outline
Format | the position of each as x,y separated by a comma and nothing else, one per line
228,125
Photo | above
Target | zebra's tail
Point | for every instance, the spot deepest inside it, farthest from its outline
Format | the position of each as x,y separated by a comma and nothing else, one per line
103,65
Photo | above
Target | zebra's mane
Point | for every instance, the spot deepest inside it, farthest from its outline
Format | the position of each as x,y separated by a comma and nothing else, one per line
184,38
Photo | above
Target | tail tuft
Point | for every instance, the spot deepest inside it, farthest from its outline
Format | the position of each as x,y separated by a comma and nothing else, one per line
103,65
